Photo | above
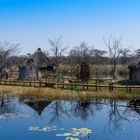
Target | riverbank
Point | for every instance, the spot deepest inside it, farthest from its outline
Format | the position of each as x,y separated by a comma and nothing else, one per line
61,94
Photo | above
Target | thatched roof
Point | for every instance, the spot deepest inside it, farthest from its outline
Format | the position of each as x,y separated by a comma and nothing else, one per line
38,58
135,62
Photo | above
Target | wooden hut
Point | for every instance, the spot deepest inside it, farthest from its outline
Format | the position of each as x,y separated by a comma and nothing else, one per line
34,66
134,71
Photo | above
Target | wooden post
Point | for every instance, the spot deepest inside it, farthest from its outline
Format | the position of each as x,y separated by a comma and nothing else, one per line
110,86
83,85
58,82
87,84
129,86
30,83
75,83
96,84
63,82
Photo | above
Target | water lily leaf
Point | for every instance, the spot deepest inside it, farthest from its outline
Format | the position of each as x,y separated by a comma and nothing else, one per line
77,132
72,138
2,117
13,116
43,129
33,128
62,128
64,135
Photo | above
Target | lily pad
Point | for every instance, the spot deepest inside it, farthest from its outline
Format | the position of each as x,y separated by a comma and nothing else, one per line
2,117
13,116
43,129
77,132
72,138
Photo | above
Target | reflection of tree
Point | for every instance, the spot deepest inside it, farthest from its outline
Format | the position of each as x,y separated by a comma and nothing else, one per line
84,109
116,116
6,104
72,108
57,109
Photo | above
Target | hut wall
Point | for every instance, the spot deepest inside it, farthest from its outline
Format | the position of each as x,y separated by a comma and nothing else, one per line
22,72
135,75
32,74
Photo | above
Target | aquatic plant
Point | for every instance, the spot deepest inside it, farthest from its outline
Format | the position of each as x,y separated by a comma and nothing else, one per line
43,129
13,116
76,132
72,134
72,138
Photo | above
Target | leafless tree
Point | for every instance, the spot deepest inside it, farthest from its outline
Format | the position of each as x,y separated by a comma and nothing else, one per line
97,55
80,53
137,52
114,50
125,55
6,50
57,50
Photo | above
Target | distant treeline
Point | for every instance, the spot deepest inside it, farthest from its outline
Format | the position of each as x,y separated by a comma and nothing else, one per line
58,55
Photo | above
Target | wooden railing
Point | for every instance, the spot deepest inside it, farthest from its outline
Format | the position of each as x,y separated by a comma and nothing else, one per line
71,84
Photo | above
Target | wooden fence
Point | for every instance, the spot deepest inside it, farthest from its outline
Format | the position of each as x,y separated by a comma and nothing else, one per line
71,84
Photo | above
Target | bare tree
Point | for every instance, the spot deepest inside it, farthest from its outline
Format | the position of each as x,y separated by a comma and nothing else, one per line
80,57
115,50
80,53
97,55
137,52
6,50
57,51
125,54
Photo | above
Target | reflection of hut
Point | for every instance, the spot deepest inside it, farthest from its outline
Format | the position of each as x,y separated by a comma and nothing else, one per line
35,66
135,105
134,71
38,106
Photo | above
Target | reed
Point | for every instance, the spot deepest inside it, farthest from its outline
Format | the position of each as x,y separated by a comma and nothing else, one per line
61,94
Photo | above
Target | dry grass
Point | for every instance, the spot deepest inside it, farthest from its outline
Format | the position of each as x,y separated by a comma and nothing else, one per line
60,94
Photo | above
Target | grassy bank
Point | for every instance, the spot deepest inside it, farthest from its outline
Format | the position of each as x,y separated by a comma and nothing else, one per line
60,94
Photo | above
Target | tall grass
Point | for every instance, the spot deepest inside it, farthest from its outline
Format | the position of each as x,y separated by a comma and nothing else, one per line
60,94
103,70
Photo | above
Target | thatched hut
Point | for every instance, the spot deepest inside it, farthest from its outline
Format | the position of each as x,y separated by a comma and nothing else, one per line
134,71
34,66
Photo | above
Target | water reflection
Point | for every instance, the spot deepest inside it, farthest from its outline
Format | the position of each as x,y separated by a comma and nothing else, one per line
134,105
6,104
115,114
37,106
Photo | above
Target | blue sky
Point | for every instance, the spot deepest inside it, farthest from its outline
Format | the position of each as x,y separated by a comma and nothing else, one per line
32,22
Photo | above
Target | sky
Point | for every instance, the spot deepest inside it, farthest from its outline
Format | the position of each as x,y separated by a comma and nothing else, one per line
32,22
